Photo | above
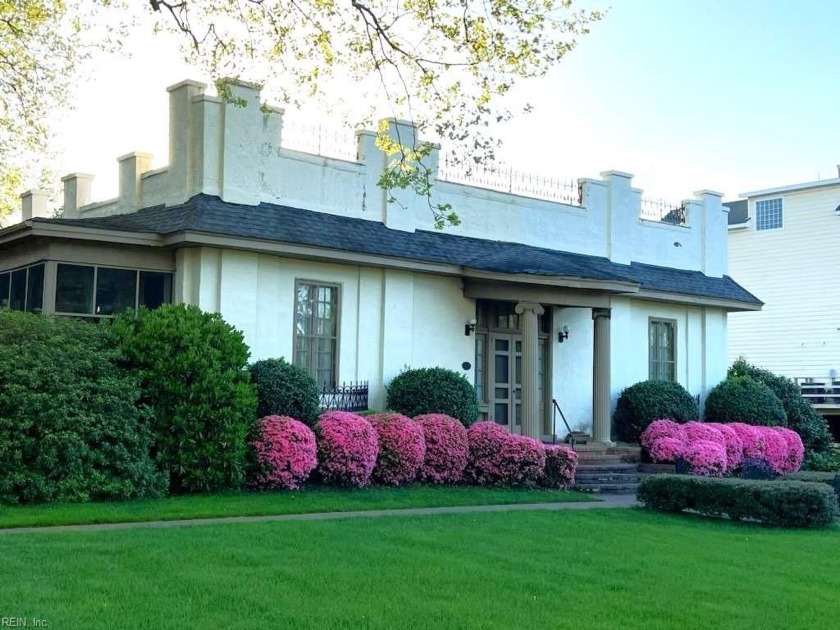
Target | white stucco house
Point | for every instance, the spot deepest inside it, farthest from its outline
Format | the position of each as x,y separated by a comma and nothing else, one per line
531,299
783,245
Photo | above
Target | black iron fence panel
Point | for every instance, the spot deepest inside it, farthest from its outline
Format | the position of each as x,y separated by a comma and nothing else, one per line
345,397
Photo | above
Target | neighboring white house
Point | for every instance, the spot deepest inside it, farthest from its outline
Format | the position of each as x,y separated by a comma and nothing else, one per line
304,254
784,246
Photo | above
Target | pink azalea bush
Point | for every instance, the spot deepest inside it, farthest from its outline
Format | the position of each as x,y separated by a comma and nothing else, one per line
796,450
697,431
751,439
658,429
401,449
560,466
732,443
285,453
706,458
666,450
347,448
498,458
446,448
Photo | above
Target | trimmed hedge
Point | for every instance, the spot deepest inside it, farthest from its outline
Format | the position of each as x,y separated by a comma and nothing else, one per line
284,389
791,504
741,399
801,417
433,390
830,478
644,402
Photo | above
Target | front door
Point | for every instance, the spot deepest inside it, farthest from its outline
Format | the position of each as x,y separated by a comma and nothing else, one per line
506,380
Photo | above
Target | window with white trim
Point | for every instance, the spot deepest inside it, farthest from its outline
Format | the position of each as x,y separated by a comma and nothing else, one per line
768,214
316,331
662,350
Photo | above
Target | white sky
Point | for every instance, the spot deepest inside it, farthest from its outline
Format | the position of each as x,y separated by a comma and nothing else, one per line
731,96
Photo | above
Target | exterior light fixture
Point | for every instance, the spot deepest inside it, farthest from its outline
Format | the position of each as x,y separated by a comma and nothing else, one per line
469,327
563,334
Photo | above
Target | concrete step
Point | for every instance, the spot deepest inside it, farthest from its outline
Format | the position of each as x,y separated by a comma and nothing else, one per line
600,461
608,474
654,469
598,467
609,488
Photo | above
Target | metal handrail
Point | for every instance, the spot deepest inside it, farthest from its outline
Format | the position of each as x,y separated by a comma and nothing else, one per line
554,423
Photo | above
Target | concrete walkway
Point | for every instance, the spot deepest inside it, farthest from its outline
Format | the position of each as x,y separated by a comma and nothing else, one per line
607,501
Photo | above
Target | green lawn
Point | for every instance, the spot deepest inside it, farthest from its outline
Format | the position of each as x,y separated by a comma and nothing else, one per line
313,499
592,569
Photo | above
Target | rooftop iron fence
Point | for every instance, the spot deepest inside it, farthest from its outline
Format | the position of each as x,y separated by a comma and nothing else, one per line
663,211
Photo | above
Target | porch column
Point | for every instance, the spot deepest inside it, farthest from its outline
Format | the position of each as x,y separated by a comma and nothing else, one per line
601,377
531,415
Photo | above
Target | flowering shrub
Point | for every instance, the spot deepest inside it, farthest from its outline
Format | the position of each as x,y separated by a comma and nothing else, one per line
666,450
751,439
733,444
796,449
446,448
497,458
696,431
347,448
661,428
775,449
560,465
285,452
706,458
401,448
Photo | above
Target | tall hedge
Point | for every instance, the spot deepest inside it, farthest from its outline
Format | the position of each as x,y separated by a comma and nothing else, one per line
422,391
284,389
644,402
192,371
801,417
70,429
741,399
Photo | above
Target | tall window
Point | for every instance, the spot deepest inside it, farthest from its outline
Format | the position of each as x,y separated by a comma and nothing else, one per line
663,351
768,214
316,331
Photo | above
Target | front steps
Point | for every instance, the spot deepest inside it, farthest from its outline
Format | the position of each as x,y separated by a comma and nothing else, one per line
606,469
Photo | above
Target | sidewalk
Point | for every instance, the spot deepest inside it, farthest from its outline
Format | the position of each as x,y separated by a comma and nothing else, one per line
608,501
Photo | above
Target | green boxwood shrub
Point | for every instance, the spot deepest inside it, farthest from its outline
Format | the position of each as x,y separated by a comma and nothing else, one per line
644,402
830,478
70,429
790,504
741,399
433,390
801,417
193,377
826,461
284,389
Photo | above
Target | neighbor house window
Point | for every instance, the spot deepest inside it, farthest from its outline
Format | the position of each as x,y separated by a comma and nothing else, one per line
105,291
316,331
662,350
768,214
23,289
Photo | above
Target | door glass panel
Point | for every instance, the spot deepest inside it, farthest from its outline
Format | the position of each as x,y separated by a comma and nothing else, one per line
501,413
480,367
519,346
502,345
502,392
518,373
502,371
518,414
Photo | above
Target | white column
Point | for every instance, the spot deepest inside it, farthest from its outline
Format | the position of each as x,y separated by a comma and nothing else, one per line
601,377
531,413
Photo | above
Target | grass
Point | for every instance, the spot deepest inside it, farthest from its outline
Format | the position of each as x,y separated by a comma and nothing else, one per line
313,499
593,569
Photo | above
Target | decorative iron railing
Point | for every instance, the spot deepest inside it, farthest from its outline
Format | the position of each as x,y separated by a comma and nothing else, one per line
333,142
503,178
663,211
345,397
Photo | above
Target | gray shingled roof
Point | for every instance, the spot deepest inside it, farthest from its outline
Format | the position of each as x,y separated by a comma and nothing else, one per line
738,211
211,215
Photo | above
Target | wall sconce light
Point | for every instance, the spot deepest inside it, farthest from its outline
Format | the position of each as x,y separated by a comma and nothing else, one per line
469,327
563,334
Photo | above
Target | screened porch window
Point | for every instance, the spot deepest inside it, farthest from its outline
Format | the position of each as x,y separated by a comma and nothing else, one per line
662,352
104,291
23,289
316,331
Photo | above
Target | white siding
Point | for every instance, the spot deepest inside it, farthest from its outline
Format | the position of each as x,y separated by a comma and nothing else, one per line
794,270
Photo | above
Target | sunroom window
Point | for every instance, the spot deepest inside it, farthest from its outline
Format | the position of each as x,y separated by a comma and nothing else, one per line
106,291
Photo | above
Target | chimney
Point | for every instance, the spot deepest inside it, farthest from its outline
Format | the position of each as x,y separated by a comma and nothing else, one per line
34,204
76,193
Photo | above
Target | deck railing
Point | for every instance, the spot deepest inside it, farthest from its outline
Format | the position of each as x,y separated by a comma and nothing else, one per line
820,392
